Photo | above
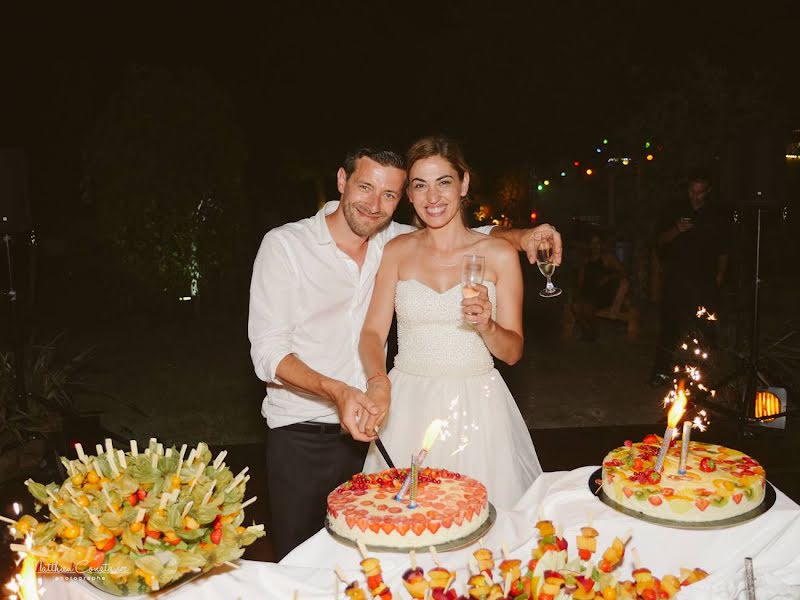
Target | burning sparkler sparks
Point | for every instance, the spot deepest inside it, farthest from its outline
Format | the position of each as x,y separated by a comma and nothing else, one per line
703,313
25,585
431,435
690,376
700,421
456,426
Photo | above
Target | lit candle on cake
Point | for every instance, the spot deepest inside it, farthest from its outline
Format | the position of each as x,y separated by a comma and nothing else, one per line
687,432
673,417
431,434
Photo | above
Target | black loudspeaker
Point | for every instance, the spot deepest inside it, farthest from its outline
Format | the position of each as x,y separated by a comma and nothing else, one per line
15,210
761,169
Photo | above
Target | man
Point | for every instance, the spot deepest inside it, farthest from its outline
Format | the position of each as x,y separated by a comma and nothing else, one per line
694,243
311,287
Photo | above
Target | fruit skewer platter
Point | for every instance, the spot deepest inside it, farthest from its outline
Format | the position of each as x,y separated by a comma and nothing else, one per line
136,522
550,575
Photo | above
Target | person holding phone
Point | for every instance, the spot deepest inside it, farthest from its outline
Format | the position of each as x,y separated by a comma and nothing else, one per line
693,242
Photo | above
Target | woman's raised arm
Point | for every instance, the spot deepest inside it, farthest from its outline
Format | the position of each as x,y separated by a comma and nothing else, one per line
375,331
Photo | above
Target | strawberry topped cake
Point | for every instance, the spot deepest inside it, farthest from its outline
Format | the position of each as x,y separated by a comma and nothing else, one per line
449,506
719,482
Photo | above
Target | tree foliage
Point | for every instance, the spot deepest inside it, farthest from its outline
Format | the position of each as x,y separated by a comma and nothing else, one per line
512,194
695,122
163,168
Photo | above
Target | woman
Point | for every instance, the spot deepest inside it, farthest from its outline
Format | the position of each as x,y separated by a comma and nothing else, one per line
444,367
601,284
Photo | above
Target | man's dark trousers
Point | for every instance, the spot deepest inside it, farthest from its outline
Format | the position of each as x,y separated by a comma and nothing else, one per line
305,462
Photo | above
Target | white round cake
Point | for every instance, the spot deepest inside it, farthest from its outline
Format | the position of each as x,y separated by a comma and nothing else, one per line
450,506
719,482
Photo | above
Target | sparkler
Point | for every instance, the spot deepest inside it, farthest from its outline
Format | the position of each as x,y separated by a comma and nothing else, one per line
692,378
687,431
412,502
431,435
673,417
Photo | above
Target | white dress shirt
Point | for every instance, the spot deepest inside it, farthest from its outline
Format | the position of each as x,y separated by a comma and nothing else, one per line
308,298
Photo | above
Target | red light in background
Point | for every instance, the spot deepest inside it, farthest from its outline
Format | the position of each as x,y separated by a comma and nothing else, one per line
577,163
534,215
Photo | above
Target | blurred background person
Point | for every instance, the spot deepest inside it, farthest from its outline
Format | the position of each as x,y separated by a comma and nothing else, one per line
602,283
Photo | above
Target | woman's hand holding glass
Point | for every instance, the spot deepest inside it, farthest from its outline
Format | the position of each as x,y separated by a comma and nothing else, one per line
477,309
472,267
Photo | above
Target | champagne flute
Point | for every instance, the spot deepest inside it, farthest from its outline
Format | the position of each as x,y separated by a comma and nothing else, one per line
472,267
544,260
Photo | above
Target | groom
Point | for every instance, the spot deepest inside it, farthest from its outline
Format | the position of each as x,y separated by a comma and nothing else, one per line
311,287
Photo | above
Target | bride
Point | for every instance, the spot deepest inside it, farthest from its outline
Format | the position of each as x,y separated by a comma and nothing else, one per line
447,337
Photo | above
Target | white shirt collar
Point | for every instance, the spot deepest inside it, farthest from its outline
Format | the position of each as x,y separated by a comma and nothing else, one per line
323,234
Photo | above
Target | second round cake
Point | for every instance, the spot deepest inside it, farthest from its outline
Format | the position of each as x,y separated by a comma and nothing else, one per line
719,482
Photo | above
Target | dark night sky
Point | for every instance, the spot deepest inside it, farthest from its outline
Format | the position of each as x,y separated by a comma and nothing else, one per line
312,79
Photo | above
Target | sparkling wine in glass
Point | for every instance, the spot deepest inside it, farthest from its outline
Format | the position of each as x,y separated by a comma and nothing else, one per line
471,273
544,260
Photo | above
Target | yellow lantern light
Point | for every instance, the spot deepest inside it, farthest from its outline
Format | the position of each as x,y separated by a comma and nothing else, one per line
769,402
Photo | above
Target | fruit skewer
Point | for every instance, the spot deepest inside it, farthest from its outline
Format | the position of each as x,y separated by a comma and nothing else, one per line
586,543
440,581
415,583
485,560
614,554
354,591
372,569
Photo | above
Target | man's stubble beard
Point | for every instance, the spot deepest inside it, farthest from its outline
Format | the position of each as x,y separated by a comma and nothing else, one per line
351,216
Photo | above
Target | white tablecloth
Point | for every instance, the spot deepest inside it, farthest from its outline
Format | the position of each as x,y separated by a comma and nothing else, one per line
772,541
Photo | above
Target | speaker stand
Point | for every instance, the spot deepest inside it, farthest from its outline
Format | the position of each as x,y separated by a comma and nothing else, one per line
20,387
749,369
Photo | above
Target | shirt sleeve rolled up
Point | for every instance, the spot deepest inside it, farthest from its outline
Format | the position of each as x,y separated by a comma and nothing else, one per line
273,307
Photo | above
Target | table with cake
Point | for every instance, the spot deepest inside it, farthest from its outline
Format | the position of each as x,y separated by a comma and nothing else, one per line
587,533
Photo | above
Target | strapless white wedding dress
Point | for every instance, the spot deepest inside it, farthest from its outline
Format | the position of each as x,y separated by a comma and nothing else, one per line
443,370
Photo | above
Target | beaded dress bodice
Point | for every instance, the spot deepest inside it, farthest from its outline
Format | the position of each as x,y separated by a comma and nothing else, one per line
432,337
